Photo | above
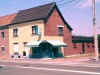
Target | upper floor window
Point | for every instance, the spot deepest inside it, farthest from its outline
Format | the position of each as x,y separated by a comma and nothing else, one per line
15,32
60,29
2,34
34,29
3,50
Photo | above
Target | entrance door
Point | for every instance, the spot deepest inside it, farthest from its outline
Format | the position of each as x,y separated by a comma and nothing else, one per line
83,49
36,52
55,51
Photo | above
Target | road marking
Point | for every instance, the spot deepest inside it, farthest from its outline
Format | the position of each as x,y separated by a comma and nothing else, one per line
62,70
83,65
2,65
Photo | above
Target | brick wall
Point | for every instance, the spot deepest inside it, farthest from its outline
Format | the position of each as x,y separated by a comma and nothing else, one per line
89,48
4,42
51,29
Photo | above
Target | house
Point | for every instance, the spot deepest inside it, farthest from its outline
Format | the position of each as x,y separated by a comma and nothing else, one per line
83,43
38,32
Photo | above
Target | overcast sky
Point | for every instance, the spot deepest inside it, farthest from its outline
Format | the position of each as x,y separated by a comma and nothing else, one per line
77,13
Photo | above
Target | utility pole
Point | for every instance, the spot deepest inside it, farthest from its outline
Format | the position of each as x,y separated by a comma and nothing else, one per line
95,31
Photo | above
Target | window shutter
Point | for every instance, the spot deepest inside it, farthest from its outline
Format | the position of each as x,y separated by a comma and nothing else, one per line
39,31
36,30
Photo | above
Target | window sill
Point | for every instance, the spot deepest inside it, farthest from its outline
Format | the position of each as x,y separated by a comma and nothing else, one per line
16,53
61,35
2,38
33,35
3,53
15,36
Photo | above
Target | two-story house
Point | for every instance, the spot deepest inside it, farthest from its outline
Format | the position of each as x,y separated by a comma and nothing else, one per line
37,32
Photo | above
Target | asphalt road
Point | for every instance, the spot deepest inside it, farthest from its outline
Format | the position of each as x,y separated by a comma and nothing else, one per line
46,69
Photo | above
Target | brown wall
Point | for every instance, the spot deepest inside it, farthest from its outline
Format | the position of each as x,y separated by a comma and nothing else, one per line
4,42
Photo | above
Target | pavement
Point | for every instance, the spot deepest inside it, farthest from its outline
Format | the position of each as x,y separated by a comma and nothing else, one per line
58,61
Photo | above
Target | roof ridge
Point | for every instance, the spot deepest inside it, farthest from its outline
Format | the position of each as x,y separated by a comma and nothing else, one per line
8,15
38,6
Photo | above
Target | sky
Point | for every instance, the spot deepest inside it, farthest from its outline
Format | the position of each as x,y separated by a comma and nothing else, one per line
77,13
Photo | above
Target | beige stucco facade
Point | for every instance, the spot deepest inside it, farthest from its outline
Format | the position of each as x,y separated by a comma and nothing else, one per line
25,35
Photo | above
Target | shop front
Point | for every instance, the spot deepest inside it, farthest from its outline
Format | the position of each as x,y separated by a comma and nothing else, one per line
46,49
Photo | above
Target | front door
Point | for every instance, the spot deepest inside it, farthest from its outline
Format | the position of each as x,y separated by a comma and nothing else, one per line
55,51
36,52
83,49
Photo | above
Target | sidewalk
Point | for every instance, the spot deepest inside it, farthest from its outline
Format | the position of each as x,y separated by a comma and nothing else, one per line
59,61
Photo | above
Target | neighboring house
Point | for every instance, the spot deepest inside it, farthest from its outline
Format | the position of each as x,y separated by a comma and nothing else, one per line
83,44
4,35
38,32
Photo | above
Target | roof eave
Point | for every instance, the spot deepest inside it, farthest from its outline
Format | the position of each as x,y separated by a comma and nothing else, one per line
26,21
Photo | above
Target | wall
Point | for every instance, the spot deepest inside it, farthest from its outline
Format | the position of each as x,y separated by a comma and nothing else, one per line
4,42
78,49
89,49
51,29
24,34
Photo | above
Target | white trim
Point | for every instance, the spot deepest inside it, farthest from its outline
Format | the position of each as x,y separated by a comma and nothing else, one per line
2,46
60,26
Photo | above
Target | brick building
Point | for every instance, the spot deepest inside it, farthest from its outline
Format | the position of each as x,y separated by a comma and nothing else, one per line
38,32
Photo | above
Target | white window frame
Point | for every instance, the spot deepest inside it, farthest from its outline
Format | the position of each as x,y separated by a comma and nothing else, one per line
16,48
3,49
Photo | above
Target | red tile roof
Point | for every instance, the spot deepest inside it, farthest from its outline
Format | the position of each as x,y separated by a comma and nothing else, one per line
4,20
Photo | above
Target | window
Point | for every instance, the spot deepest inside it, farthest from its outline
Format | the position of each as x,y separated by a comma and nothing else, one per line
93,45
34,30
74,45
24,43
15,48
25,52
88,45
3,50
2,34
15,32
60,31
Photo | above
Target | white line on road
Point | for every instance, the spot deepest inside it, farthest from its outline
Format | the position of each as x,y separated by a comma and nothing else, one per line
83,65
2,65
96,73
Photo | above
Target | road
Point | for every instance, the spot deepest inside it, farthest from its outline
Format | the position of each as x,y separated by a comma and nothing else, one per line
46,69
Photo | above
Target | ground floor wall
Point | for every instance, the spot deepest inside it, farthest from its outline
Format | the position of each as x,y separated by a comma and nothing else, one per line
26,52
4,44
79,48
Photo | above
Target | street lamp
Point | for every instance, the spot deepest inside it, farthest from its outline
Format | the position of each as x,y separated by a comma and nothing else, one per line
95,31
